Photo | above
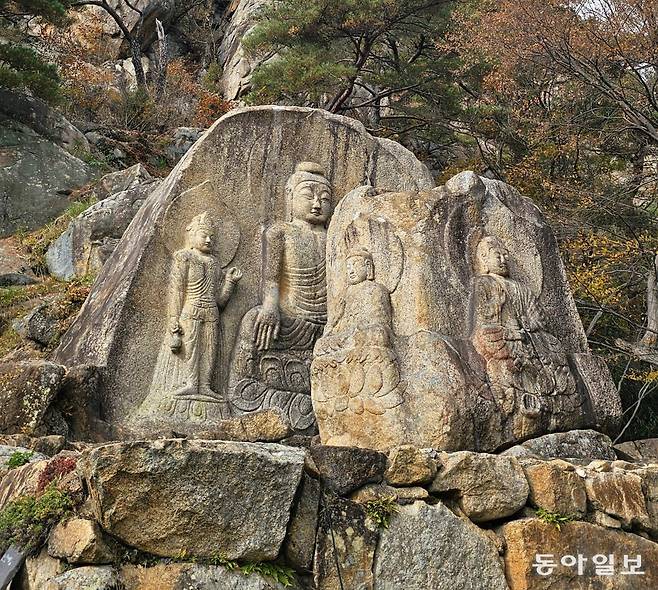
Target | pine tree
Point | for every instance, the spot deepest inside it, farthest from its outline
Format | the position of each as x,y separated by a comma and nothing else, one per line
21,67
359,57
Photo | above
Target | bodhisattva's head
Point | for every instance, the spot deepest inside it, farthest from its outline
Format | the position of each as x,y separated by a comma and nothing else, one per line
491,257
200,233
360,267
309,195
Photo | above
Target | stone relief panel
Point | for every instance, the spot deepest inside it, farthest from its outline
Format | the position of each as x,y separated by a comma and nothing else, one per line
527,369
356,374
468,339
237,172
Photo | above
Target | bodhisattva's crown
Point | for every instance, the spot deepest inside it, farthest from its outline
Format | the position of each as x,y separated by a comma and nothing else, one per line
201,221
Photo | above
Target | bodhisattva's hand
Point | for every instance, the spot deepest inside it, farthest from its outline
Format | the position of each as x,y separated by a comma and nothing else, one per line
233,275
266,329
175,342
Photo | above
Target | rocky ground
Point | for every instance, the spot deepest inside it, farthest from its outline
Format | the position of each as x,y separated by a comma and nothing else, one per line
291,513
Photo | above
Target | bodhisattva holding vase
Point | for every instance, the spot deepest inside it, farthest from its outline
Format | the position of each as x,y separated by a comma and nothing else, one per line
272,357
183,381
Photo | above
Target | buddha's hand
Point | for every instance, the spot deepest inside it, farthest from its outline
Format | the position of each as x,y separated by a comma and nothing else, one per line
266,329
233,275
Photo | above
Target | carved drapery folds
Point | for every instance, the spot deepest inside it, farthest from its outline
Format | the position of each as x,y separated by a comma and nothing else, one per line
182,388
526,367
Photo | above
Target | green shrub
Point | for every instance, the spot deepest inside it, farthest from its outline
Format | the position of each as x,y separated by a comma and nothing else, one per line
26,522
554,518
380,511
19,458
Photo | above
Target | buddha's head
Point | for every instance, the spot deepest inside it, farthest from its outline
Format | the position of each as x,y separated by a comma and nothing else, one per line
200,233
360,266
491,257
309,195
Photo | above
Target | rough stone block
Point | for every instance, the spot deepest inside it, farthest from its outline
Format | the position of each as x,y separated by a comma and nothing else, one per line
527,538
201,498
344,469
429,547
619,494
409,466
556,487
575,444
487,487
79,541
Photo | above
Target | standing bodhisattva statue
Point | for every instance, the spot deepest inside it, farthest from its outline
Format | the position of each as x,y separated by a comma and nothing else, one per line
271,361
182,384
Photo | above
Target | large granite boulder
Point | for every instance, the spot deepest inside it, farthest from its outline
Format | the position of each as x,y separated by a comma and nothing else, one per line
92,236
451,324
200,498
429,547
26,392
170,359
237,64
566,554
36,177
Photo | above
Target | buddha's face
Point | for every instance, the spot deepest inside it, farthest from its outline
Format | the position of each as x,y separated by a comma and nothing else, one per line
202,240
494,260
311,202
358,269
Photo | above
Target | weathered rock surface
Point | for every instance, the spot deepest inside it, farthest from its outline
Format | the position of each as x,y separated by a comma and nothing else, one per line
429,547
237,172
79,541
620,495
187,576
42,119
409,466
374,492
26,392
300,541
183,138
47,445
576,444
92,236
237,66
203,498
451,324
487,487
40,325
39,570
90,577
122,180
640,450
527,538
344,469
345,547
21,481
266,426
555,486
36,176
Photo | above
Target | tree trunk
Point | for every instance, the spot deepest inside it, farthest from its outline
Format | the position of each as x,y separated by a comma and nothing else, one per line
650,337
136,58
